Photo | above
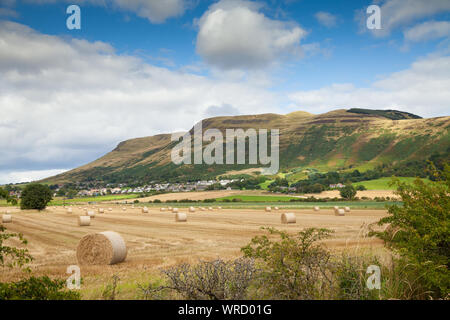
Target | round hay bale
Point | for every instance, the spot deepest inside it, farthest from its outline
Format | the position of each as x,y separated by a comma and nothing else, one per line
84,221
347,209
180,217
275,208
210,208
288,218
170,208
101,210
174,210
109,209
336,209
219,208
85,209
191,209
91,214
8,211
203,209
6,218
340,212
316,208
69,210
124,209
268,209
162,209
101,249
144,210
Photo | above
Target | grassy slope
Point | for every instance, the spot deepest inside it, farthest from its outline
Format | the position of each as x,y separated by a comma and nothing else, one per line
383,183
330,141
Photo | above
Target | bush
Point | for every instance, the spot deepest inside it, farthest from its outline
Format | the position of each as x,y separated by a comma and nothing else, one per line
294,267
360,188
136,201
13,256
35,196
348,192
208,280
419,231
156,201
42,288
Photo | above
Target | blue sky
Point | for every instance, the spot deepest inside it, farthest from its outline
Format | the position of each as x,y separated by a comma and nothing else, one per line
142,67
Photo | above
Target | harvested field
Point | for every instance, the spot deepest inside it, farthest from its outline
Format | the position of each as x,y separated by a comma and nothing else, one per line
155,240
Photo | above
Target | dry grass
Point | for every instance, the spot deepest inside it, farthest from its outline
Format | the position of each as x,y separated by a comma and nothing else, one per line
155,240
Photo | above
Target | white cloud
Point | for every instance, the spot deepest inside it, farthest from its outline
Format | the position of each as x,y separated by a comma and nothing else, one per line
66,102
156,11
422,89
326,19
399,13
428,31
27,176
234,34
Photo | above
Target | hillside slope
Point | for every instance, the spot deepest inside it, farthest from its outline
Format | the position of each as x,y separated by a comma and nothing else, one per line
335,140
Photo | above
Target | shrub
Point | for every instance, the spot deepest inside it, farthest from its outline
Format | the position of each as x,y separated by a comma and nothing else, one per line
361,188
294,267
156,201
419,231
136,201
33,288
208,280
35,196
12,256
348,192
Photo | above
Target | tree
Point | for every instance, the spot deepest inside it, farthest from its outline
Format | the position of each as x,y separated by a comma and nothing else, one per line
360,187
35,196
5,195
348,192
419,231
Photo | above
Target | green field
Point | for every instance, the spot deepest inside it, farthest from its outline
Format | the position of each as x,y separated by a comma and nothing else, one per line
112,197
282,205
383,183
257,198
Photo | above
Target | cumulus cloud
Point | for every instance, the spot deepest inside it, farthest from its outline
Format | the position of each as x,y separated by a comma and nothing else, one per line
156,11
234,34
422,89
399,13
428,31
326,19
66,102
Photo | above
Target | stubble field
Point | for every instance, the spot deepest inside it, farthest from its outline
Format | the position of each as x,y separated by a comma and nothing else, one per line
155,240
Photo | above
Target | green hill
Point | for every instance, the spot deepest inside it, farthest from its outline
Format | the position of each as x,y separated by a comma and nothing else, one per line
337,140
